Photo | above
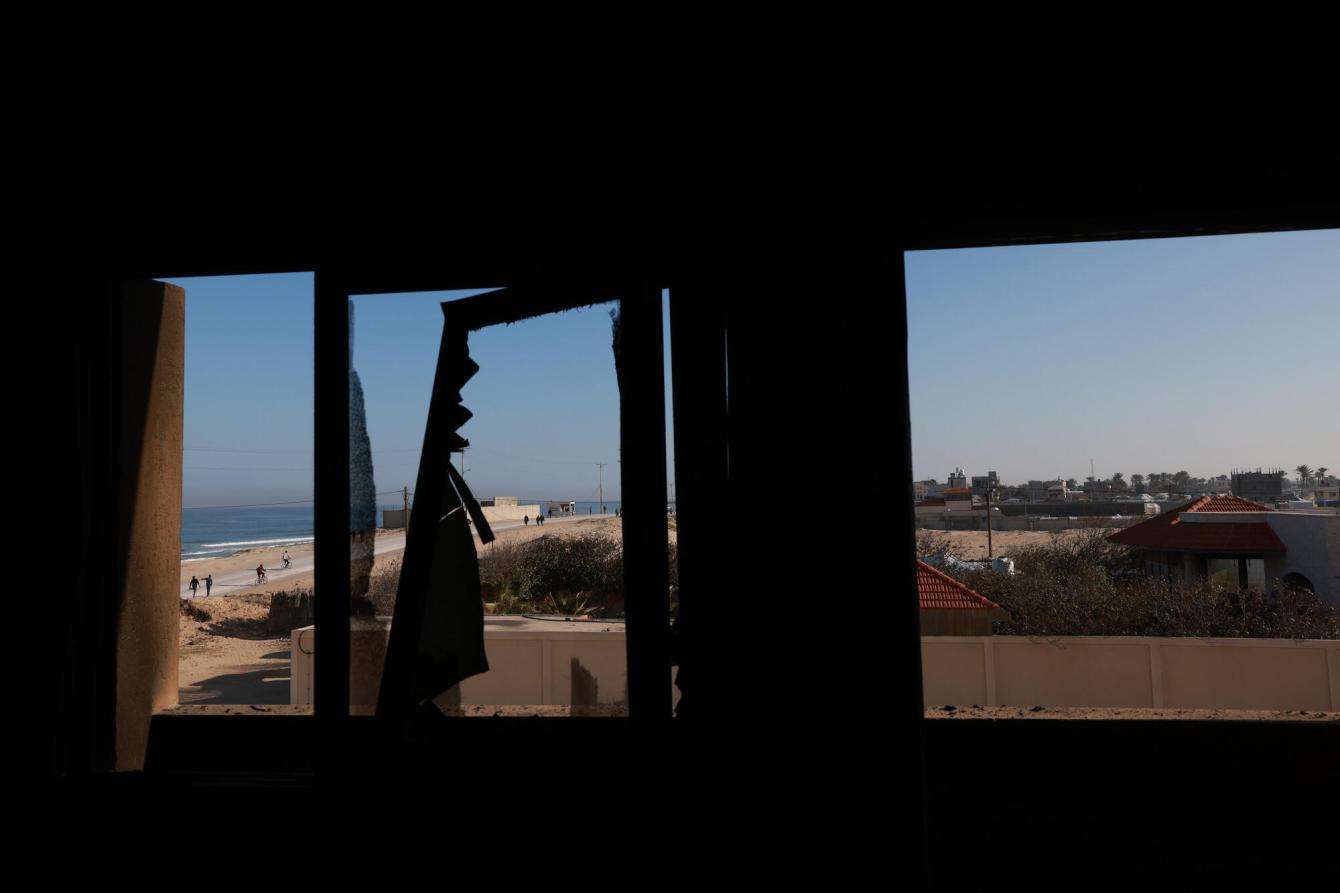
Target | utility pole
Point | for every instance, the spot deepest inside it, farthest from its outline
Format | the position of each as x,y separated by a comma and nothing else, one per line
989,488
406,494
600,485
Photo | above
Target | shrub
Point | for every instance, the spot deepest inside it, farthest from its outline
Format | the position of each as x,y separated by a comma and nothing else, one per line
195,612
553,565
382,588
573,576
1085,586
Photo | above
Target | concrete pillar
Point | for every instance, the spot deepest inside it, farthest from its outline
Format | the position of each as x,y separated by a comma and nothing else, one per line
152,360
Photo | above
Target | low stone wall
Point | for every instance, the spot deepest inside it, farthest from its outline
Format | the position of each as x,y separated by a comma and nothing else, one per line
530,662
1132,671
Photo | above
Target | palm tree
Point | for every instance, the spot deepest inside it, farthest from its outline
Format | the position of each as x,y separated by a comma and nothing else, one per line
1321,471
1303,473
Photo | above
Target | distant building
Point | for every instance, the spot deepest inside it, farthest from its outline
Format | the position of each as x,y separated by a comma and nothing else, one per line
1266,487
1057,492
507,508
919,490
983,482
1037,490
1101,492
957,480
1239,541
958,499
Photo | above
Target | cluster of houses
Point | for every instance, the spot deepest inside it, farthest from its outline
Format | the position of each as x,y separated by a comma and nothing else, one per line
1220,537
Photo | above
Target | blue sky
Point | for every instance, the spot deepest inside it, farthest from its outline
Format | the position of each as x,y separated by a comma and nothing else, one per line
1149,355
546,401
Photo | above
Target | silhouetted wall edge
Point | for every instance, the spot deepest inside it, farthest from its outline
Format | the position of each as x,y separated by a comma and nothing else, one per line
153,346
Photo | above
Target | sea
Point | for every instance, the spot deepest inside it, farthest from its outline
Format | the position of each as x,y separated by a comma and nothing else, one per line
219,531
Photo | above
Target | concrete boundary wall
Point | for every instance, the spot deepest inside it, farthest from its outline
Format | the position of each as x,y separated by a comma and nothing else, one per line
1132,671
530,662
542,662
969,521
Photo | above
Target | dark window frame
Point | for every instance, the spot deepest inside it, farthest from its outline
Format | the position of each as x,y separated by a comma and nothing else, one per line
642,440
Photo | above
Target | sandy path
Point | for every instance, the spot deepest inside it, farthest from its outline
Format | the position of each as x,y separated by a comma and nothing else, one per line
224,670
229,659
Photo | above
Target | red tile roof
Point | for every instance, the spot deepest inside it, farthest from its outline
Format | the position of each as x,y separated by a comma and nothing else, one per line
1224,502
1166,531
936,590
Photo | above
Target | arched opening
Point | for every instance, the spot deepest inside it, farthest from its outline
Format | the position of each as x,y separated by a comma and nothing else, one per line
1298,581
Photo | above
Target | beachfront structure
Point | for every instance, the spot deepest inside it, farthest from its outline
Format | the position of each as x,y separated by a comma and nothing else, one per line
506,508
1235,539
562,508
950,608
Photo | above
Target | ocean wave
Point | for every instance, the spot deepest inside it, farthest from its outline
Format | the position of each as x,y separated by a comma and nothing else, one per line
293,540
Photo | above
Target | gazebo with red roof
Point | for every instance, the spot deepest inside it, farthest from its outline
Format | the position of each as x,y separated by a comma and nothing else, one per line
1177,548
950,608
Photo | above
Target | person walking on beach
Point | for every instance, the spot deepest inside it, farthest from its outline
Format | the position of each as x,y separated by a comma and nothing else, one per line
539,519
195,584
209,584
260,573
288,562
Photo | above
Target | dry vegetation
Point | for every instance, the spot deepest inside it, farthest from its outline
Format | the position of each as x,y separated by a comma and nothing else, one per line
1082,585
578,575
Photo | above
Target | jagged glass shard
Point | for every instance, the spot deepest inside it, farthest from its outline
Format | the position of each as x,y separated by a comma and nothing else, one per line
457,416
469,368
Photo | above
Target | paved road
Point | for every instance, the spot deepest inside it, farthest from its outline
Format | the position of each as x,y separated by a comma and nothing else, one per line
303,564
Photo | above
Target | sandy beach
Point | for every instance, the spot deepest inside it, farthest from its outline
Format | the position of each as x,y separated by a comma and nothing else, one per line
231,658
